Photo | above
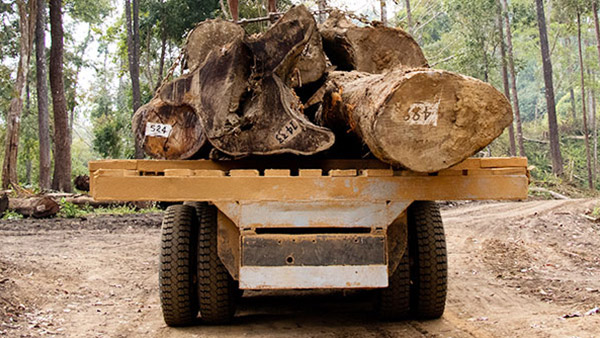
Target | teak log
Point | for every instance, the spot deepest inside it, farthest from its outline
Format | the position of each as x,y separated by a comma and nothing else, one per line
3,204
168,132
424,120
37,207
208,35
82,182
244,112
368,49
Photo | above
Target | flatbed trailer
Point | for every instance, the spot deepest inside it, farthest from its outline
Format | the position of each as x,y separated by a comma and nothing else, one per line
302,224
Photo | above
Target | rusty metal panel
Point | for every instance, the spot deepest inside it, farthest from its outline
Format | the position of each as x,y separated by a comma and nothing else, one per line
313,250
397,240
265,214
313,277
397,188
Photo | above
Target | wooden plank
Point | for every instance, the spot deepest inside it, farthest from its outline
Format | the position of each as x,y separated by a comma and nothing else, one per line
377,172
310,172
470,163
277,172
397,188
342,172
179,172
243,173
112,164
209,173
499,162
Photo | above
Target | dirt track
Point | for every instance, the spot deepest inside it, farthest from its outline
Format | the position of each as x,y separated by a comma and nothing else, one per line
515,270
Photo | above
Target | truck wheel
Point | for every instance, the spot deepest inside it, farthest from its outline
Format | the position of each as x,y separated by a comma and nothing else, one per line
177,267
393,302
428,260
217,290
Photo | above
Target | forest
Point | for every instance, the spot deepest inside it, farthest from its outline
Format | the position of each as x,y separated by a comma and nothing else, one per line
73,72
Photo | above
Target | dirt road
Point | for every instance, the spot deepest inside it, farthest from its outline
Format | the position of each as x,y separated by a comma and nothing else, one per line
516,269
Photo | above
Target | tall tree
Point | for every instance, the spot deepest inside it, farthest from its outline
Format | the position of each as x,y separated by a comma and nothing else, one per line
584,104
511,128
557,165
133,54
62,138
42,95
322,6
408,16
513,78
27,13
383,13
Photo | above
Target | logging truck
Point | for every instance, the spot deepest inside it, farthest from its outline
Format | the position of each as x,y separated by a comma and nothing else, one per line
302,224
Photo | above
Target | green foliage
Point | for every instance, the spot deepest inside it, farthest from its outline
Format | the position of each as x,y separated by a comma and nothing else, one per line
70,210
11,215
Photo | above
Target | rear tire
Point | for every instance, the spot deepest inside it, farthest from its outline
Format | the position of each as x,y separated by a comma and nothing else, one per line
394,301
218,292
177,266
428,260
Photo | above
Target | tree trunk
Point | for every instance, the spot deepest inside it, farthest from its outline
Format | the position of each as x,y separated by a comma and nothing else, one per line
583,104
233,8
322,6
506,86
383,13
13,118
168,132
368,49
80,55
573,106
133,48
36,207
62,154
409,16
557,165
513,78
161,63
42,95
422,120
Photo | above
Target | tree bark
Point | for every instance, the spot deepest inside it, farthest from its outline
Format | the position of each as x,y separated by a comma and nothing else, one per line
168,132
383,13
424,120
42,95
408,16
513,78
583,105
62,154
368,49
505,84
133,48
233,8
13,118
557,165
322,4
36,207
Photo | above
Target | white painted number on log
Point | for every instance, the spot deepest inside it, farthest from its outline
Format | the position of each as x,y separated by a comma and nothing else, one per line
287,132
158,129
422,113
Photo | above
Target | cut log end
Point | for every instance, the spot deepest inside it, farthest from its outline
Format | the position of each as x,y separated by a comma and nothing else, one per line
436,119
169,132
207,35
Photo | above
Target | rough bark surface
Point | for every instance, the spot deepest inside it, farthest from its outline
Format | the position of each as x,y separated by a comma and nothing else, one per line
62,153
423,120
37,207
13,118
42,95
368,49
208,35
557,165
183,139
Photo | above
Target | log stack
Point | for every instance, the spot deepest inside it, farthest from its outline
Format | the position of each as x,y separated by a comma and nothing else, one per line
336,90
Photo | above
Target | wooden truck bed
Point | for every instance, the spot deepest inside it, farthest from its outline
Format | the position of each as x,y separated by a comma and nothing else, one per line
367,180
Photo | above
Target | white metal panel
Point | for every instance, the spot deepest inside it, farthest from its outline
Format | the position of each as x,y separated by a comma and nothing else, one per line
313,277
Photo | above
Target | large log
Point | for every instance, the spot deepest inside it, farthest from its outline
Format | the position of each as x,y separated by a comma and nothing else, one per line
244,106
172,132
425,120
208,35
368,49
37,207
3,204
